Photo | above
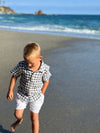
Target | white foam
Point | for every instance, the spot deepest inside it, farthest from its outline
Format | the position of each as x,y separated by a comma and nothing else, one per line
52,28
8,21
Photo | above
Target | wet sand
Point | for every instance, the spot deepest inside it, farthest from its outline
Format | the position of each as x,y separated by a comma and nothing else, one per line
72,100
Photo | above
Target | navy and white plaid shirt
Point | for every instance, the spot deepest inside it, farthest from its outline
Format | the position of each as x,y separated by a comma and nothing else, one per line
31,82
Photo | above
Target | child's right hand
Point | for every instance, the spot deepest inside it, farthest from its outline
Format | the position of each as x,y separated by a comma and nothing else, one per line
10,96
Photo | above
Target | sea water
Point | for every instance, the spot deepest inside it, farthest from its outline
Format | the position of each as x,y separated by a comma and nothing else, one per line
68,25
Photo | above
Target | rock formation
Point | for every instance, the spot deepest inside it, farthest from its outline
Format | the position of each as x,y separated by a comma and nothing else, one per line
6,10
40,12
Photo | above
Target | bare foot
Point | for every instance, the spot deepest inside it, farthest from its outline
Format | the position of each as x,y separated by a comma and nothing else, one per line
16,124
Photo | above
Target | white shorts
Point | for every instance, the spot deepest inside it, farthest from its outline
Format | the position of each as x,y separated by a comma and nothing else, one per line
34,106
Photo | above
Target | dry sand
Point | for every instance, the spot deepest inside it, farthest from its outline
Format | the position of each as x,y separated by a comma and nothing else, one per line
72,100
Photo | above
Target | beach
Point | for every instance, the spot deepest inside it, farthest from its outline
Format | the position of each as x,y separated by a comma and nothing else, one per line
72,100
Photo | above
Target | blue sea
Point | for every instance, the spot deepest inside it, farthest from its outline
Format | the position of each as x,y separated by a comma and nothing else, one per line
68,25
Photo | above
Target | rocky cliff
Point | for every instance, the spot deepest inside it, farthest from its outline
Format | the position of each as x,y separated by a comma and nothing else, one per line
40,12
6,10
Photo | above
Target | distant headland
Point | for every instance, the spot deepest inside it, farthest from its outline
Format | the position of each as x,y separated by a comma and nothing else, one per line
8,10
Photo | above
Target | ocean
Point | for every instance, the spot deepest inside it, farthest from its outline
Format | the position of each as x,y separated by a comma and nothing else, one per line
87,26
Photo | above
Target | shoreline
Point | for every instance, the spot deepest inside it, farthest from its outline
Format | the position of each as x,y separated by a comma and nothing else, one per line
49,34
75,35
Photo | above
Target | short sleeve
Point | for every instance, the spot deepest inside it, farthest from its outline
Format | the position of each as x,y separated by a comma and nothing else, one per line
47,74
16,71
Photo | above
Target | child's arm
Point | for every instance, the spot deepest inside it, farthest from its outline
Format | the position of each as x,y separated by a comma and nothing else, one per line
45,85
10,91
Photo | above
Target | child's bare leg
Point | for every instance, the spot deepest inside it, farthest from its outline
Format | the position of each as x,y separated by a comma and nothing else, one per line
18,114
35,122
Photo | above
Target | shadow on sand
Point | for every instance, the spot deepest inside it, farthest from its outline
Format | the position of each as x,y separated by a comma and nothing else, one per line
2,130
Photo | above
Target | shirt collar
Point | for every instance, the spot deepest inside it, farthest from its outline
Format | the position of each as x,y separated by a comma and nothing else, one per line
41,69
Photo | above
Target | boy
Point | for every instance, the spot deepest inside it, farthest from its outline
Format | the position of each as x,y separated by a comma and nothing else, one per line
34,79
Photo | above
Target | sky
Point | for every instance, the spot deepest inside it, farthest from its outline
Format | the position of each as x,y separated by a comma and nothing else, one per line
54,6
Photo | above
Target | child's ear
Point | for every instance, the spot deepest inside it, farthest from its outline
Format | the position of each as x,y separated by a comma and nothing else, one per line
41,57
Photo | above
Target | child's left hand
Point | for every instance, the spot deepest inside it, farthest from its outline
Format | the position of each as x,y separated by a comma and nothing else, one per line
10,96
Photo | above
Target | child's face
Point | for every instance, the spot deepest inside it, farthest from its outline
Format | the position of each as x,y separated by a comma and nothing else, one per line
33,61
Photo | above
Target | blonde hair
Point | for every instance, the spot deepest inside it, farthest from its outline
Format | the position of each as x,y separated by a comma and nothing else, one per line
31,49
